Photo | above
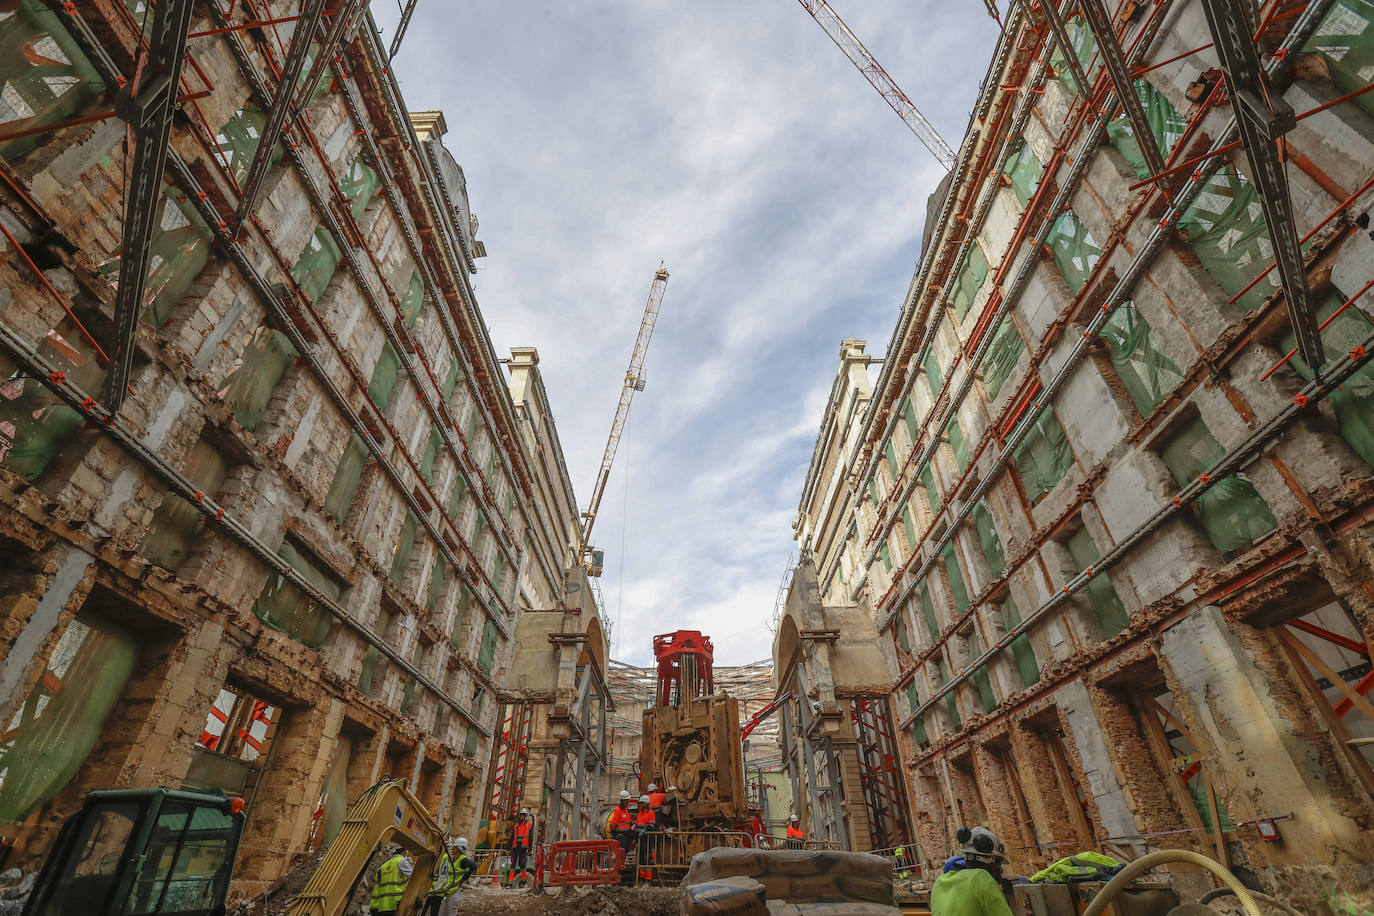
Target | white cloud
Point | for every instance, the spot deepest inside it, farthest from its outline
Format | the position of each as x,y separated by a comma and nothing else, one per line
735,142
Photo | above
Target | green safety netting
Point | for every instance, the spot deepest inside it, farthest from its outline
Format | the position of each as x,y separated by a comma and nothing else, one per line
951,702
1044,456
470,742
993,551
460,485
317,264
981,680
455,635
437,577
1075,251
928,612
1022,652
1166,126
346,477
886,555
1001,357
972,274
909,526
1146,371
928,484
410,308
401,558
431,452
358,185
325,77
44,77
954,433
283,606
34,423
1085,49
913,696
1231,511
238,140
487,655
955,575
918,725
407,694
498,575
1225,227
450,379
369,678
384,374
902,634
50,735
873,492
1197,790
1111,613
178,249
1345,39
478,527
913,428
934,378
1023,169
1353,400
334,796
249,387
891,451
491,463
177,521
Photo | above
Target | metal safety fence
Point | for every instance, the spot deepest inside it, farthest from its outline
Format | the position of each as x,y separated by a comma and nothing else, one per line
661,857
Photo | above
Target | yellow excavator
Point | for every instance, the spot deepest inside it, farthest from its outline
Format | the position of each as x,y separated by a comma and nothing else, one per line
170,851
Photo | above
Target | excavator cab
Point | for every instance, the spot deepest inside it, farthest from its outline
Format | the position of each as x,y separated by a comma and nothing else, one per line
137,851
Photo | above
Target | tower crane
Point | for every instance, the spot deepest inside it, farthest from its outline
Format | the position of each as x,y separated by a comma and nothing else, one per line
634,381
868,65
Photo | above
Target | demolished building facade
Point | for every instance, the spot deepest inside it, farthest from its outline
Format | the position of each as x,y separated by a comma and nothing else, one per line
1109,521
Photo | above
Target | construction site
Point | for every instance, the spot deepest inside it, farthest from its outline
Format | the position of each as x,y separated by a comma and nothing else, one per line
295,585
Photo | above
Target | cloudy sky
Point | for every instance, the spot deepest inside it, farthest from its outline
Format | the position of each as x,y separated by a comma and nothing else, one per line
735,142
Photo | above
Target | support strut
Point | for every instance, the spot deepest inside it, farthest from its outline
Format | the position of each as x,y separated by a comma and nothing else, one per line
1115,61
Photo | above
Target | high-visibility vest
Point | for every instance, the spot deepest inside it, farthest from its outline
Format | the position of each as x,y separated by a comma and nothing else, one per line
522,833
467,867
794,832
646,816
389,887
620,817
656,799
451,875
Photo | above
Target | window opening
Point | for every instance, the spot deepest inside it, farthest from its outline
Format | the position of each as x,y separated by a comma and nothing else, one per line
1353,400
913,428
358,185
177,522
431,452
928,612
972,274
438,576
1231,511
400,558
460,616
286,607
1225,227
344,488
238,140
934,378
1022,652
487,655
993,551
384,375
932,492
1023,170
982,680
1074,249
1146,371
317,264
886,555
910,528
1345,40
177,251
955,577
1044,456
892,466
460,485
954,433
1001,357
249,387
1185,760
1084,48
410,310
44,77
1111,613
1166,128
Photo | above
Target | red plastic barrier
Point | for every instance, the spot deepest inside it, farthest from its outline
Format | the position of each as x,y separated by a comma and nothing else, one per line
583,862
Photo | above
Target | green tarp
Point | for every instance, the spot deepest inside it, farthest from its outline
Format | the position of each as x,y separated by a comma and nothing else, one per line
1145,370
455,502
358,185
44,77
913,428
932,492
431,452
401,558
982,682
891,451
1166,128
1075,251
177,522
1225,227
1001,357
490,636
955,576
283,606
238,140
1085,49
972,274
1044,455
410,310
1345,40
1023,170
317,264
346,477
1231,511
900,633
1111,613
177,251
934,378
886,555
384,374
918,725
248,389
438,575
955,434
951,701
455,635
928,612
1022,652
450,378
1353,400
470,742
909,527
988,539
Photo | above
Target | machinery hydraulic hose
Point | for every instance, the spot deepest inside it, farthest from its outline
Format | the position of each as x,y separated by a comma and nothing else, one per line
1216,892
1137,868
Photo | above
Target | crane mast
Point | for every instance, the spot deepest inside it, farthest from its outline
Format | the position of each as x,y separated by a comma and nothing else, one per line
873,71
634,381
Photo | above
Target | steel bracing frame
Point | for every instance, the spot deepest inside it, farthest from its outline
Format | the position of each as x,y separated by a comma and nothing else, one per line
401,28
581,758
880,771
1262,119
147,103
813,763
510,761
1055,20
1114,60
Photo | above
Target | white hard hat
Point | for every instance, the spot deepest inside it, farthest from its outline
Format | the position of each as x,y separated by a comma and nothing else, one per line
643,799
792,818
461,842
983,846
653,787
524,810
624,794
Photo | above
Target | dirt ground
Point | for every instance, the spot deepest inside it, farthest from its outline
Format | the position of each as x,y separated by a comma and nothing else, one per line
605,901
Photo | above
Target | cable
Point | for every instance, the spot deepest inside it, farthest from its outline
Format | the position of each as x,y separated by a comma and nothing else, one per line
1147,862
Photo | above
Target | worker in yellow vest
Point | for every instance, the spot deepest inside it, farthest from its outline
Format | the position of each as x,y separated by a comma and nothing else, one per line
975,889
389,884
455,868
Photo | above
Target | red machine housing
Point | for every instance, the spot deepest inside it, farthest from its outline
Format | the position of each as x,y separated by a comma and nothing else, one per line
684,667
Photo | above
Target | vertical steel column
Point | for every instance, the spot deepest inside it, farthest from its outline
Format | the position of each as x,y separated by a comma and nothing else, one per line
1061,37
1115,62
146,104
1261,119
282,101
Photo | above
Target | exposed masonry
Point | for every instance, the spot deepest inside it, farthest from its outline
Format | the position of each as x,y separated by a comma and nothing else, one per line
1118,556
295,559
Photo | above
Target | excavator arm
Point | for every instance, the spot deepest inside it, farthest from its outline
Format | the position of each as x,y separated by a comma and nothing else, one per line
757,718
385,813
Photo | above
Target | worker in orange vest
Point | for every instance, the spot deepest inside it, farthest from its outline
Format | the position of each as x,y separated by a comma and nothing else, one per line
522,837
645,824
795,837
656,798
622,823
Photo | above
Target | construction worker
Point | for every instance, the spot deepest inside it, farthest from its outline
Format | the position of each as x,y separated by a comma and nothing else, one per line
455,868
645,823
656,799
622,823
975,889
389,884
667,817
522,837
795,836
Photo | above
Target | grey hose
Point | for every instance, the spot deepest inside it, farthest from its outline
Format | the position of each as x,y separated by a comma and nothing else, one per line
1134,869
1216,892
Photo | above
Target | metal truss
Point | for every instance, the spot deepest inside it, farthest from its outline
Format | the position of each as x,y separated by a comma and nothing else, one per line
1061,38
1115,61
401,29
1261,119
582,756
880,766
147,104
